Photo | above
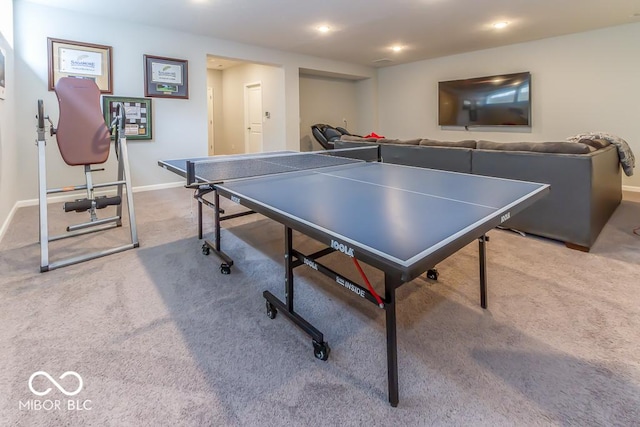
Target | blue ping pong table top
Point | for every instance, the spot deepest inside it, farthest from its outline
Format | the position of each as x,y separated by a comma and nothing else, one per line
397,214
179,166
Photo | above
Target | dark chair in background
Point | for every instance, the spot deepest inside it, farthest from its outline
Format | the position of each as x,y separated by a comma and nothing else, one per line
326,135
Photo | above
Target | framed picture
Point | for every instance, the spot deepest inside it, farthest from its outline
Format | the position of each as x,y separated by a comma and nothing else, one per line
165,77
3,72
82,60
138,115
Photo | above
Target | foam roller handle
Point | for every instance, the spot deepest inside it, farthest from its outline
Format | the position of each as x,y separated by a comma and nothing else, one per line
103,202
82,205
79,205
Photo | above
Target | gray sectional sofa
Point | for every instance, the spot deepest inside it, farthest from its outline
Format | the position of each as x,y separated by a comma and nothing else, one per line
585,178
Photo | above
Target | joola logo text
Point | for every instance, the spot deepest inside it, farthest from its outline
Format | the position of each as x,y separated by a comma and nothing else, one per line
310,263
353,288
235,199
342,248
505,217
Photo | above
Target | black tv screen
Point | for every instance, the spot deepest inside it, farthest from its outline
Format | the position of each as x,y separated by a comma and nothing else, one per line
502,100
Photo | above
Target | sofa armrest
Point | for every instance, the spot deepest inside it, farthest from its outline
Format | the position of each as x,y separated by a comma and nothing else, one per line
585,190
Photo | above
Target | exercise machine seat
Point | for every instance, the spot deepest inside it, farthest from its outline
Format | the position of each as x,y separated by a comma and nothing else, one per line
83,137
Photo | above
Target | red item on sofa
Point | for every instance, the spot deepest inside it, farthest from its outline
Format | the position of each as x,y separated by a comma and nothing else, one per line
373,135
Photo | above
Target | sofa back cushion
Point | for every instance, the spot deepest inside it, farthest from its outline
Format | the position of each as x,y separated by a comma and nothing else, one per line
445,158
353,138
398,141
467,143
560,147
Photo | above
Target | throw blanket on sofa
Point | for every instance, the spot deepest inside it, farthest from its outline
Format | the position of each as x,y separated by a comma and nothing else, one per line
627,159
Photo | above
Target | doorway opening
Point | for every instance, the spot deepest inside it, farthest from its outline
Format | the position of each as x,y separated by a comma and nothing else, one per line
246,108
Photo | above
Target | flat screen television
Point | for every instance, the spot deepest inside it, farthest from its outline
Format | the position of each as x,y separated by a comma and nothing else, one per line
502,100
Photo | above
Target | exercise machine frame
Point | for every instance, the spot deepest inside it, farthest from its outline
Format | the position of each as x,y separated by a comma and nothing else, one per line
95,224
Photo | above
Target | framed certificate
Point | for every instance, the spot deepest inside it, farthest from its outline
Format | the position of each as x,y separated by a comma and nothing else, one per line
137,112
165,77
81,60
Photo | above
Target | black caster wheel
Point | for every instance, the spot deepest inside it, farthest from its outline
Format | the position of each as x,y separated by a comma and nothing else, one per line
432,274
225,268
271,310
321,350
206,250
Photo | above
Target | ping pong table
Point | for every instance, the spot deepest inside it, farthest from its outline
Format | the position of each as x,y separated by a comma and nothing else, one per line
401,220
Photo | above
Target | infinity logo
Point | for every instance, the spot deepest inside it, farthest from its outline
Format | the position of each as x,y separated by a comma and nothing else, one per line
58,386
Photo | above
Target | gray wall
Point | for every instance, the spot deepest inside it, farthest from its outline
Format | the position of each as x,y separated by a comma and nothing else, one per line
228,86
326,100
214,81
234,80
583,82
180,126
8,153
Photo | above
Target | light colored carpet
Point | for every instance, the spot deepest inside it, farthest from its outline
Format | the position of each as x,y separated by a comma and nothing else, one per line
160,337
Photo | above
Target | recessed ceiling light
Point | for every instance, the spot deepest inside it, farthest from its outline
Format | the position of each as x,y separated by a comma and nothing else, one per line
500,25
396,48
324,28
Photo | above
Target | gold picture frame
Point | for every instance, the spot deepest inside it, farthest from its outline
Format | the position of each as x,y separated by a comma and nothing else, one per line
69,58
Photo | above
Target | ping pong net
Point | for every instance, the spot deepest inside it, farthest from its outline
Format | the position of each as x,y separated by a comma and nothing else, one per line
225,168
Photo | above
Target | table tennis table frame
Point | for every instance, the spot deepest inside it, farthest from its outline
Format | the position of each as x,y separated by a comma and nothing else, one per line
202,189
218,217
393,278
294,258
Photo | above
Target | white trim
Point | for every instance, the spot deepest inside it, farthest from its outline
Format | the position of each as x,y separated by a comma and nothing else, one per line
631,188
72,196
5,225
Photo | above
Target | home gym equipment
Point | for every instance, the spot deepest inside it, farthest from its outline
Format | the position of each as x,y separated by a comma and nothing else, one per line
84,140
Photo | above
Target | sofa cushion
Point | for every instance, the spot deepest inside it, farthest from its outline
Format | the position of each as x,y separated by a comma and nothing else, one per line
560,147
467,143
354,138
399,141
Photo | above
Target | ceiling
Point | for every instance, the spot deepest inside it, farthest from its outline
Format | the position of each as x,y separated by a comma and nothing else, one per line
363,31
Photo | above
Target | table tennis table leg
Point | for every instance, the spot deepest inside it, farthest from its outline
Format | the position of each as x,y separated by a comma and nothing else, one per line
321,348
199,219
288,291
216,216
390,285
207,246
482,255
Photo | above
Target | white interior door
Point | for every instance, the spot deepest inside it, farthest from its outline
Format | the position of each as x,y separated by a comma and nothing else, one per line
253,118
210,121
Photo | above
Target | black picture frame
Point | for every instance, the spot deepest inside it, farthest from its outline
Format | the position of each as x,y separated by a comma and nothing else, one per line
139,115
166,77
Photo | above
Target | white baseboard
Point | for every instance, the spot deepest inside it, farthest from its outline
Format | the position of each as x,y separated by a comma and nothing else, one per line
67,197
631,188
6,223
